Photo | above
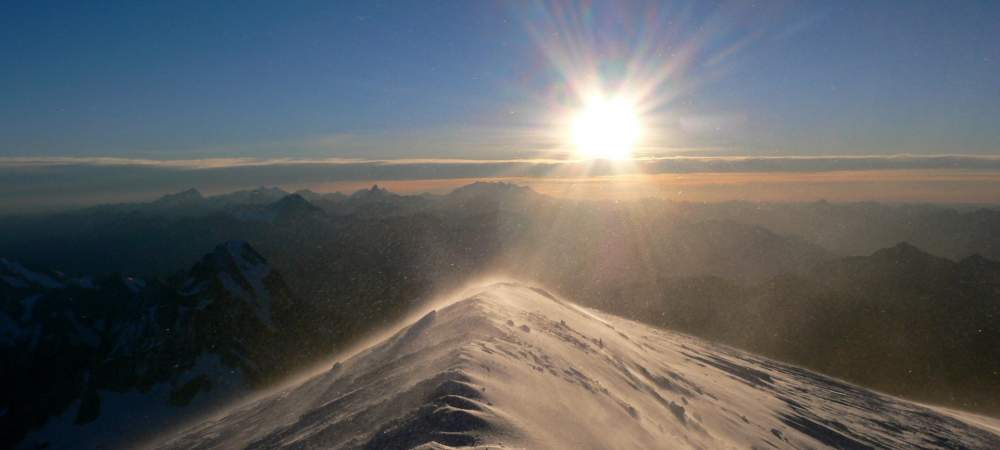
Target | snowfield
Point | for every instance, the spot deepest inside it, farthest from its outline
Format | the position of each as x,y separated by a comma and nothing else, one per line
514,367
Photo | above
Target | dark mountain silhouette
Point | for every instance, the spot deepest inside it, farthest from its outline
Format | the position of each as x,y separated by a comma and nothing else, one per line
374,194
862,228
326,201
92,352
898,319
190,198
294,206
258,196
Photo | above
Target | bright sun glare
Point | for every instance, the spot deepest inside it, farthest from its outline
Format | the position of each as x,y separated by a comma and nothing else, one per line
606,128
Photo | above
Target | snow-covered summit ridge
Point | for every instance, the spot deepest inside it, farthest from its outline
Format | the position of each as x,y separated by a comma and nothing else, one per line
514,366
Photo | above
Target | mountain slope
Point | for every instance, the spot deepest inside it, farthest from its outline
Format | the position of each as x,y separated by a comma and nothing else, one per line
97,361
513,366
900,320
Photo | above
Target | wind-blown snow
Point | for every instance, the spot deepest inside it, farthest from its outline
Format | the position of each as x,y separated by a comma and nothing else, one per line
513,366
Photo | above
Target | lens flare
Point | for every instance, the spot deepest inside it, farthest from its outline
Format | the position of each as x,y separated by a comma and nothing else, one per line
606,128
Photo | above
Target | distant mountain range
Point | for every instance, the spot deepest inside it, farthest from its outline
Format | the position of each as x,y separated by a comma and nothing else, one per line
698,231
89,294
863,228
900,320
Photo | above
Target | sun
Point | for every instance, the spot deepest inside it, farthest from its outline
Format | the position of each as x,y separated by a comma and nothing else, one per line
606,128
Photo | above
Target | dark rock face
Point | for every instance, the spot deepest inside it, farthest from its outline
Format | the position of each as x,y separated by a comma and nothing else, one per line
223,326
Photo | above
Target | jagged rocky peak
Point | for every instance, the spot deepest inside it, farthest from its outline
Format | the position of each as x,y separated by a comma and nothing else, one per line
185,195
490,192
236,266
267,191
293,199
313,196
308,194
123,344
903,252
375,192
486,187
238,255
977,260
294,203
981,266
259,196
190,198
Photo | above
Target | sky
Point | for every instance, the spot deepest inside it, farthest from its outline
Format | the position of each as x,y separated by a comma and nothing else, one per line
128,100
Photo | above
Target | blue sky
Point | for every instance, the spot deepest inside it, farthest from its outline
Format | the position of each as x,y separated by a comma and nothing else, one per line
489,80
176,79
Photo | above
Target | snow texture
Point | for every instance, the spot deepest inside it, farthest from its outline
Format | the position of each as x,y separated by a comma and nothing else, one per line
514,366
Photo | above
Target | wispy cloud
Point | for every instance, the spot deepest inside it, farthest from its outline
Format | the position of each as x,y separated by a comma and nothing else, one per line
665,164
34,183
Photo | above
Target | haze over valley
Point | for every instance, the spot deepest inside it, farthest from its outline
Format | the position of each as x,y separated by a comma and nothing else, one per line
296,277
635,224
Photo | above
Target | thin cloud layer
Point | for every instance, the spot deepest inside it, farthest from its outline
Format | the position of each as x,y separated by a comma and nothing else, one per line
666,164
39,183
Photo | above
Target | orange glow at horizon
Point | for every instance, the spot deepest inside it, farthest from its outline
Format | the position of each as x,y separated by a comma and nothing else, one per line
920,186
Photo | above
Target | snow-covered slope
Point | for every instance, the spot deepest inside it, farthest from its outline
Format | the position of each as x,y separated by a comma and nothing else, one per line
512,366
101,361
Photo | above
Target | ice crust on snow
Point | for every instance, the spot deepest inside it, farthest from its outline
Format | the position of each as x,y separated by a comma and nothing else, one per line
514,366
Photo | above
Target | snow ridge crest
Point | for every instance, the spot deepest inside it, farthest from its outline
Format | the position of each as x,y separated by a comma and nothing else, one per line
516,366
